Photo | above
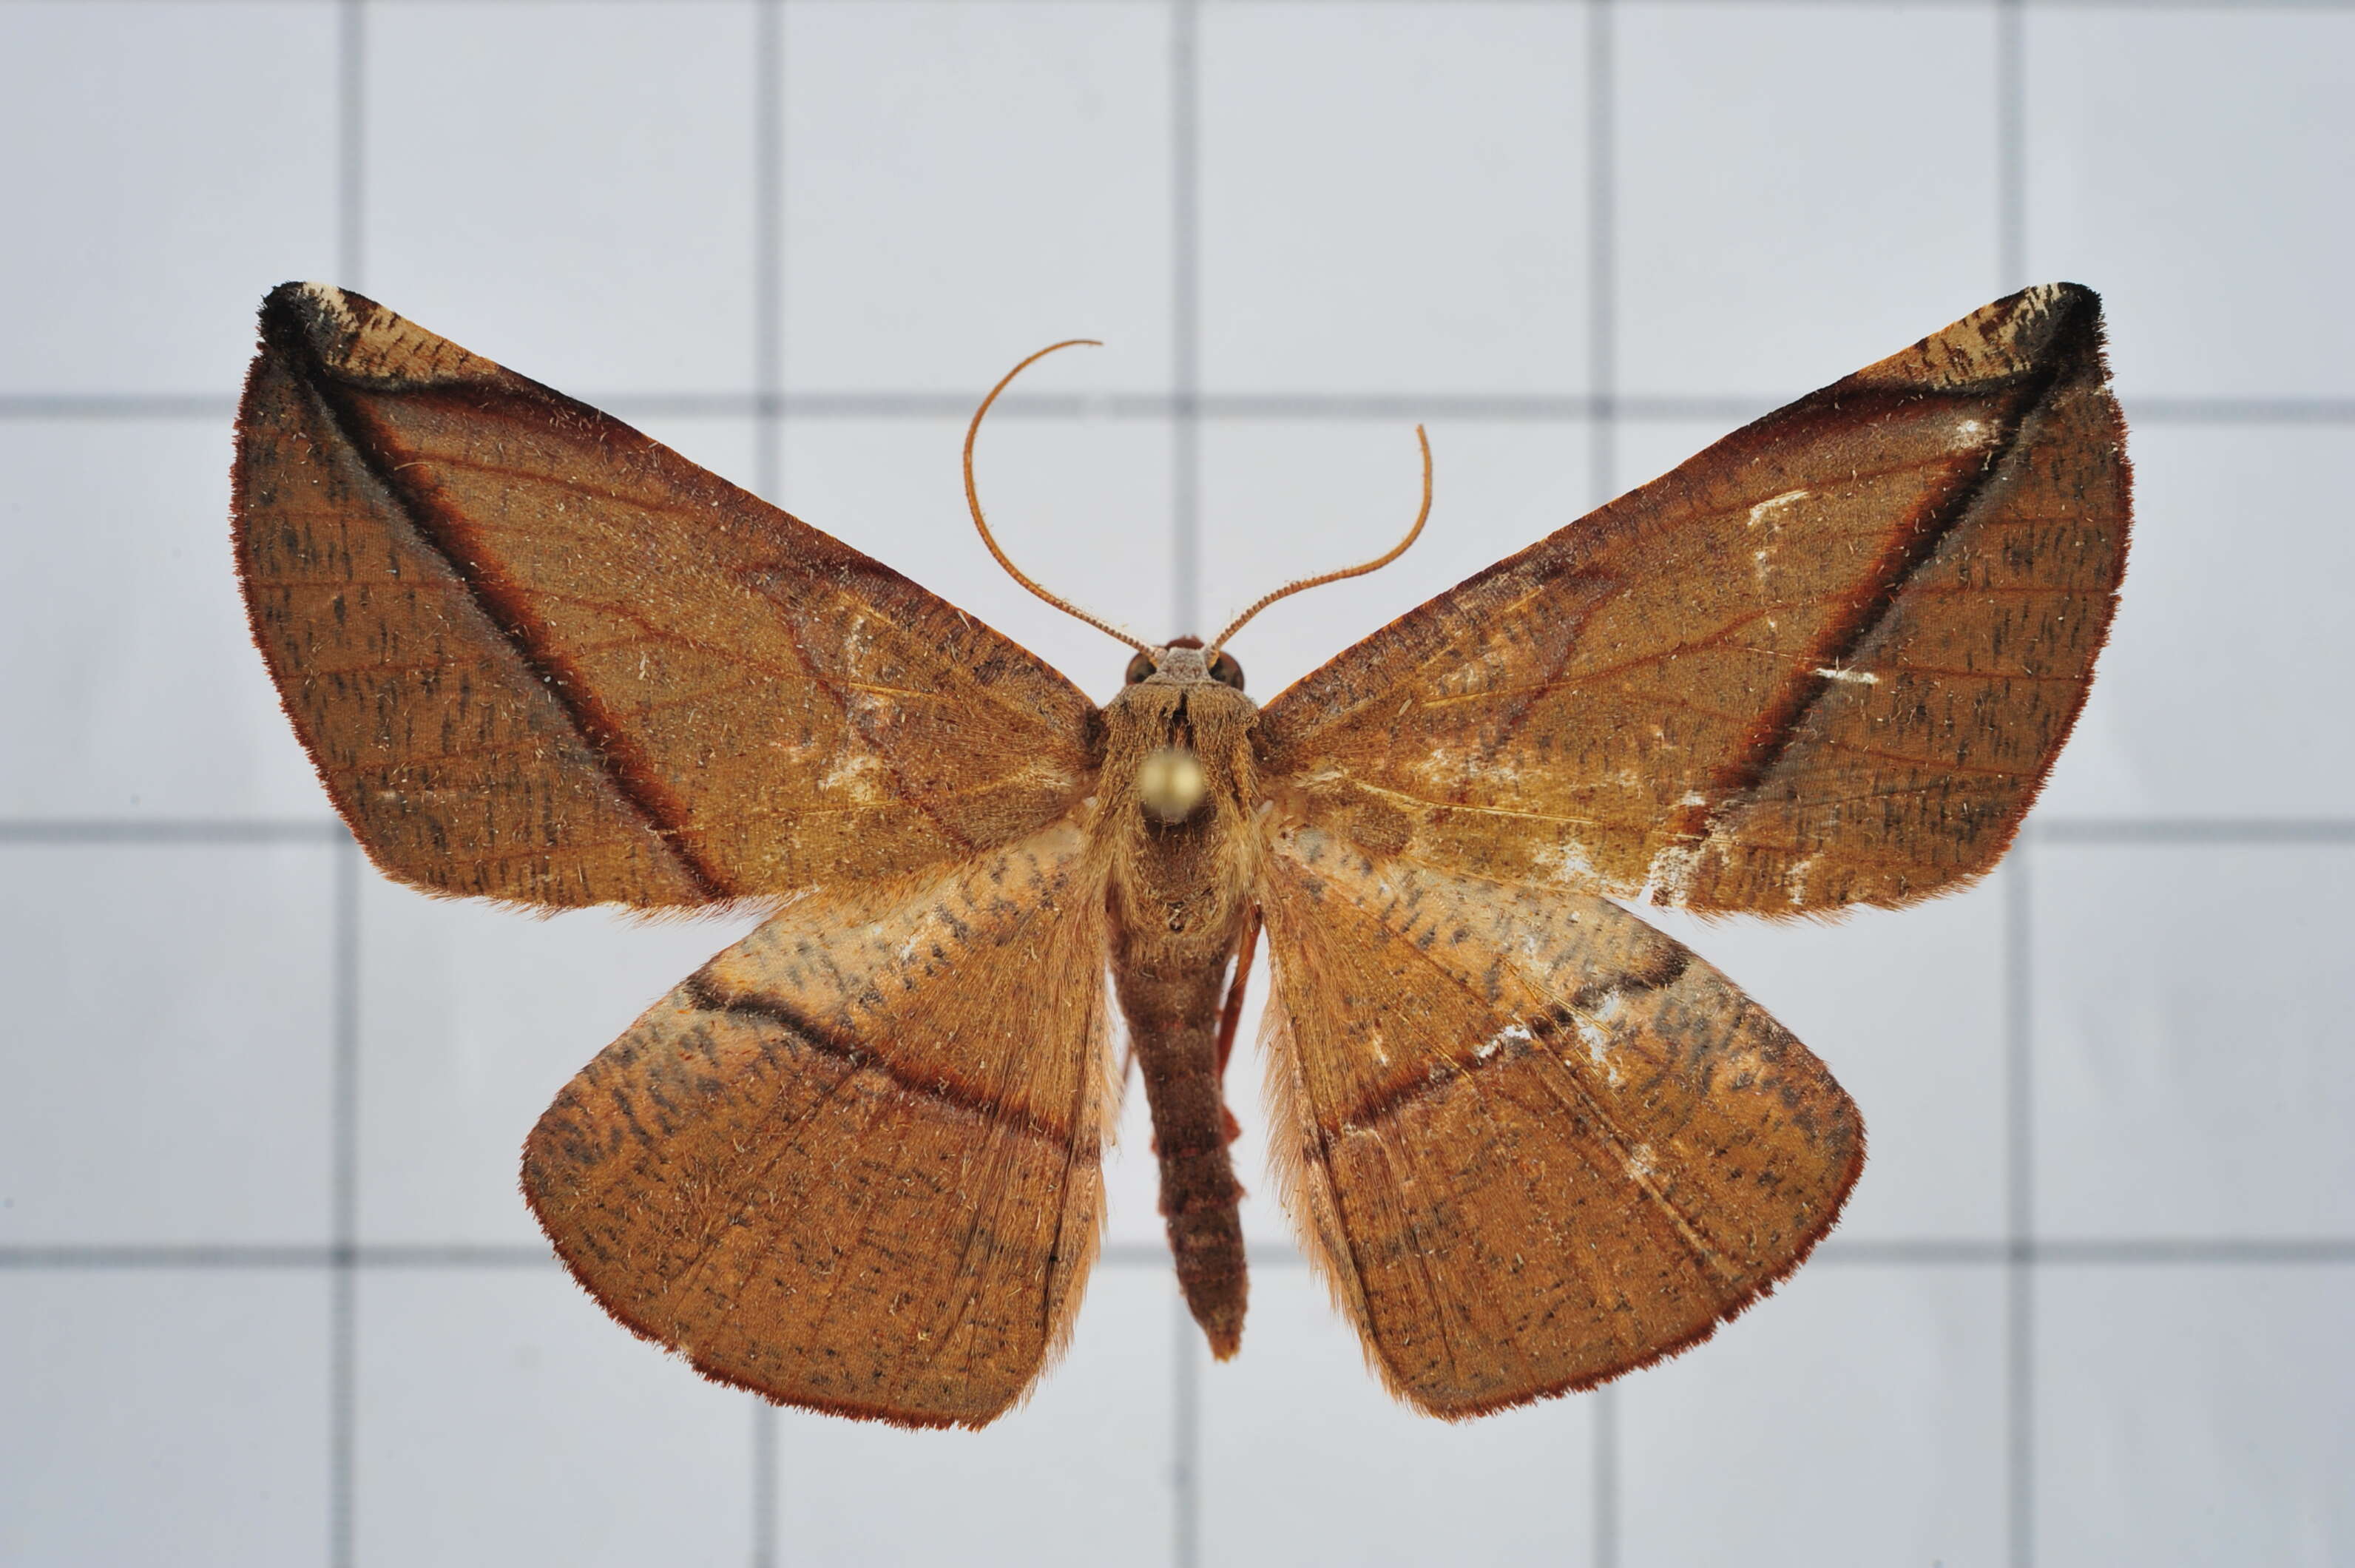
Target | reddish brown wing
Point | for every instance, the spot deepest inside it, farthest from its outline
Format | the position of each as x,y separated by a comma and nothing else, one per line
1827,661
853,1163
538,656
1531,1142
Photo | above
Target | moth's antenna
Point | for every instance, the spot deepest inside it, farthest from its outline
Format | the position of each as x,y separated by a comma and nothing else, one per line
972,495
1395,551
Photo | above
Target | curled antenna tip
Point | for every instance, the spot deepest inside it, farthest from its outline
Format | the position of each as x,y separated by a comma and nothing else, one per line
1378,561
973,496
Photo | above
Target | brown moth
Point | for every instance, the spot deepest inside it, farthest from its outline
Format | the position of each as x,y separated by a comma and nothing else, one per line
853,1163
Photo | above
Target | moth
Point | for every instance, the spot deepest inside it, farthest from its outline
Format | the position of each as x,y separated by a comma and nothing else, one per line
853,1163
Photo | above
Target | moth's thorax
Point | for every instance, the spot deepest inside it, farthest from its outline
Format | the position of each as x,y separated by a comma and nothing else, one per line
1177,799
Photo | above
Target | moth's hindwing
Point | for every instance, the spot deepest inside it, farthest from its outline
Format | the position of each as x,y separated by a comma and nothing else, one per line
1529,1141
854,1162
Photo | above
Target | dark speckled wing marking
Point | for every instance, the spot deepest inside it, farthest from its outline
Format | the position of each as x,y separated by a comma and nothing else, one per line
538,656
1827,661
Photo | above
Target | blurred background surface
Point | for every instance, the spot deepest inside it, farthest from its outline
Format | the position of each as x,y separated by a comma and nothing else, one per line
267,1293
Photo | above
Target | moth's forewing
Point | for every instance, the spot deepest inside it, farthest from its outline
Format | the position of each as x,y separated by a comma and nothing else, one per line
854,1162
1827,661
540,656
1531,1142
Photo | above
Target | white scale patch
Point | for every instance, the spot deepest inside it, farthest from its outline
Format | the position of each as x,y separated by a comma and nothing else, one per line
1511,1034
1668,880
1772,504
330,299
855,774
1852,677
1567,863
1761,560
1598,1048
1440,766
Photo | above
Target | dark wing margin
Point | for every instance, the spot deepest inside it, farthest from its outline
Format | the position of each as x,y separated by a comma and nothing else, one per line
538,656
1829,660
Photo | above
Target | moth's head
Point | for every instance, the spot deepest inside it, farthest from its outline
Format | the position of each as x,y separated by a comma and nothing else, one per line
1183,661
1180,730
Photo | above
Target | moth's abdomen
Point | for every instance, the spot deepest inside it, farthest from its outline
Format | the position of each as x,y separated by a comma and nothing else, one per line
1172,994
1200,1206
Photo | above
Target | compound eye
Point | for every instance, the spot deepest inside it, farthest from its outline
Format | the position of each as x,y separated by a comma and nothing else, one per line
1139,667
1226,671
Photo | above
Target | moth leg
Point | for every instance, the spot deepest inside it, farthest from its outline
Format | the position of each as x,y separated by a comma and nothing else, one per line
1232,1013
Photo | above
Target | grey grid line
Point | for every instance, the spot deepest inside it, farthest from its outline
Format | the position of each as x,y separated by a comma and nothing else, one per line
769,402
2176,5
2241,833
2010,92
764,1486
343,1373
1186,595
2018,1281
1185,1437
2153,1252
2234,832
1601,404
2011,147
1183,405
343,1331
768,481
173,830
1603,434
1732,409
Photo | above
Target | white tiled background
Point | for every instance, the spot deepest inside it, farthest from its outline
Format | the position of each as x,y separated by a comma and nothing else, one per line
267,1295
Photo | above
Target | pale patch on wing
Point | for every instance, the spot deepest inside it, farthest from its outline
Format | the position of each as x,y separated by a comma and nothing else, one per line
1670,877
1515,1034
331,299
1566,861
1439,768
1772,504
857,774
1598,1048
1769,511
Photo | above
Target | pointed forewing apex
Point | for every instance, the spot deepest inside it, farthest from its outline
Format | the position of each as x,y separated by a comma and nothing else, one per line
1829,660
853,1164
1531,1142
538,656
